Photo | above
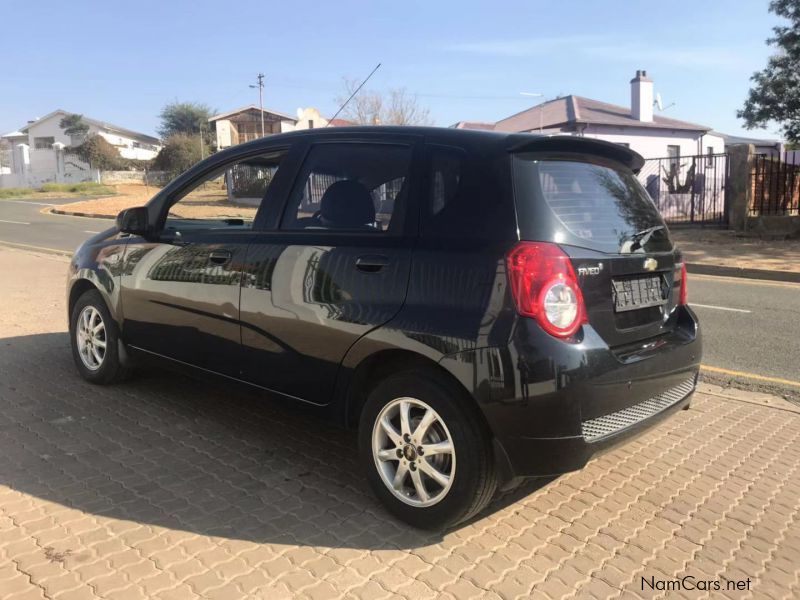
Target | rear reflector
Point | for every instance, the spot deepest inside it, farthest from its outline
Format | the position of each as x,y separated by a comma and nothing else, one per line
683,296
544,286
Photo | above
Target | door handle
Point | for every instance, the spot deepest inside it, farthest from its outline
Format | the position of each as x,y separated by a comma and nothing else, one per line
371,263
219,257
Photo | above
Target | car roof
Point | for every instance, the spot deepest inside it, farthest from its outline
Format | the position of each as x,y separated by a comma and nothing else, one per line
502,141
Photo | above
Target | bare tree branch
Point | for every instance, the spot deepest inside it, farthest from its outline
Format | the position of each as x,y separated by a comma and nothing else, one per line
369,107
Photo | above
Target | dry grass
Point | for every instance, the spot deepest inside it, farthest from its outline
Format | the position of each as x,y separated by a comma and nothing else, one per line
203,203
58,190
127,195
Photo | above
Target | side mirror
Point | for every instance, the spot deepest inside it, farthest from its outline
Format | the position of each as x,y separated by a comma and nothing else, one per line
133,220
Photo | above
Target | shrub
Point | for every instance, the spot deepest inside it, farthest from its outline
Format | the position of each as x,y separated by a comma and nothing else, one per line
180,152
99,154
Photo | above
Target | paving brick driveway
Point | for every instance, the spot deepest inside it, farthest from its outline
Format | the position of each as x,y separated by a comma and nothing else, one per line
168,488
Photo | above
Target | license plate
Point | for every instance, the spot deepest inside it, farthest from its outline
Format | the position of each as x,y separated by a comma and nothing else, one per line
637,292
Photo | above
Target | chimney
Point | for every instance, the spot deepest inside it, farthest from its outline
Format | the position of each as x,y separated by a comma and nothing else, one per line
642,97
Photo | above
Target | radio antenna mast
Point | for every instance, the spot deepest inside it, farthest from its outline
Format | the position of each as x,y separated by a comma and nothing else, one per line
346,102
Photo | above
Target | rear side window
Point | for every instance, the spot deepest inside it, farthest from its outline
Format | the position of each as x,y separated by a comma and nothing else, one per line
588,204
350,187
467,197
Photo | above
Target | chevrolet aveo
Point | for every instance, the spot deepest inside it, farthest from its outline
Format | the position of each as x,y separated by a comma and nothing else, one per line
482,307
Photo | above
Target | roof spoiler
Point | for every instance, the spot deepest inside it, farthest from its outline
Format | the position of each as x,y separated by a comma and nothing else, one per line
522,142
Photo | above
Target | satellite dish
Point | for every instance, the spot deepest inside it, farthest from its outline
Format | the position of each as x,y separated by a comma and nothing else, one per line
658,102
300,112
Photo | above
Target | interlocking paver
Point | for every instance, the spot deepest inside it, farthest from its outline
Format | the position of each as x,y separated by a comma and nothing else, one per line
163,487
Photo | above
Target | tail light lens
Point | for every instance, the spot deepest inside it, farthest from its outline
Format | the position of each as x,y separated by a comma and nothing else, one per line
683,295
544,287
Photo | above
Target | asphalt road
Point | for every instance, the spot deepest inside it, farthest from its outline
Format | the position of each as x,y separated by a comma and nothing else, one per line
24,223
750,327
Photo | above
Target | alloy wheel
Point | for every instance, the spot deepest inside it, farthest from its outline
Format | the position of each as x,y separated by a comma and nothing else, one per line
413,452
90,335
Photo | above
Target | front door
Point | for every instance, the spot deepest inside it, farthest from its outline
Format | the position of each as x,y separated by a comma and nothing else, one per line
180,289
336,269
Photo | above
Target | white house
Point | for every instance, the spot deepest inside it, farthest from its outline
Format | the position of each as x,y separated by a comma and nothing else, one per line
774,148
635,126
43,133
38,156
310,118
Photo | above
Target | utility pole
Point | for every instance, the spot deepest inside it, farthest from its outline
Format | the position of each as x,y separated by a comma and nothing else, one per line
260,86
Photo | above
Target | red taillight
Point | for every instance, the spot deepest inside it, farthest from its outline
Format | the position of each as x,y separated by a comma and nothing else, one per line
683,296
544,287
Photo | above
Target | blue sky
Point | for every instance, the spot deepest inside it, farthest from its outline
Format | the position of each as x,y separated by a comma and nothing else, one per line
122,61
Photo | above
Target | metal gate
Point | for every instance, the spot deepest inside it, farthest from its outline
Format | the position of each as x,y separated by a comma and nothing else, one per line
775,182
688,189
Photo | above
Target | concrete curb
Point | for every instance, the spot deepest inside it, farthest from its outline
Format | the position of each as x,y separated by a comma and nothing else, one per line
70,213
701,269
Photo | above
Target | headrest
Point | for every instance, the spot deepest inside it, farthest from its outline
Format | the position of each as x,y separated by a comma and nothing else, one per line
347,204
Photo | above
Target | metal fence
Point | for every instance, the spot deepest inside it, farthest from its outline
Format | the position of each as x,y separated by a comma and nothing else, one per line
775,182
688,189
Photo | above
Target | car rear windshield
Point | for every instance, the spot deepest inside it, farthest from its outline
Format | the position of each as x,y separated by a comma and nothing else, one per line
589,203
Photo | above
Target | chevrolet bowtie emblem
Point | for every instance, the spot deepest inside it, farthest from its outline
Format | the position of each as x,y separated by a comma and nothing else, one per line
650,264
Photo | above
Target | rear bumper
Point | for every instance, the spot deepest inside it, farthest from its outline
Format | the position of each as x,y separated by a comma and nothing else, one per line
527,456
552,405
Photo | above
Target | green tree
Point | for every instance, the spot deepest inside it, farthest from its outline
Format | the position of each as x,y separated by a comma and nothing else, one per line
74,126
187,118
96,151
180,151
775,95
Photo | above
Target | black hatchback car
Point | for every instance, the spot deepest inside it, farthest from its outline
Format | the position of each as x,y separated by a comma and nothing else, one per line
483,307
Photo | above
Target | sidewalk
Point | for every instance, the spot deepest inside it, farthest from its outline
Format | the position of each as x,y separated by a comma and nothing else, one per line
737,254
169,488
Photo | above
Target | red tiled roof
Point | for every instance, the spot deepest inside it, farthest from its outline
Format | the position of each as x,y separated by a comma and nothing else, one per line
341,123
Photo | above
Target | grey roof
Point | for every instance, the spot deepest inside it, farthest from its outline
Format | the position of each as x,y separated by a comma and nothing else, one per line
101,124
473,125
571,110
251,107
738,139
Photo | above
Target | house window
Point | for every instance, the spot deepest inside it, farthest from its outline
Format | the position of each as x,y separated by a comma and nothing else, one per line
710,156
43,143
674,155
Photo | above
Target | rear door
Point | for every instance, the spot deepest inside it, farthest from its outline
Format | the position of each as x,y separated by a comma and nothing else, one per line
337,268
602,217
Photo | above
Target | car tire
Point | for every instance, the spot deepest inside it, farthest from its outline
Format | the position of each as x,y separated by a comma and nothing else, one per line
94,338
468,466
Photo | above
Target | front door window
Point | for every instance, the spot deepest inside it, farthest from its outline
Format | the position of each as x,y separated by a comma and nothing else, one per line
227,198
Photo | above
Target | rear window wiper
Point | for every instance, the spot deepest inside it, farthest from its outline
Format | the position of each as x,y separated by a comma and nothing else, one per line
640,238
